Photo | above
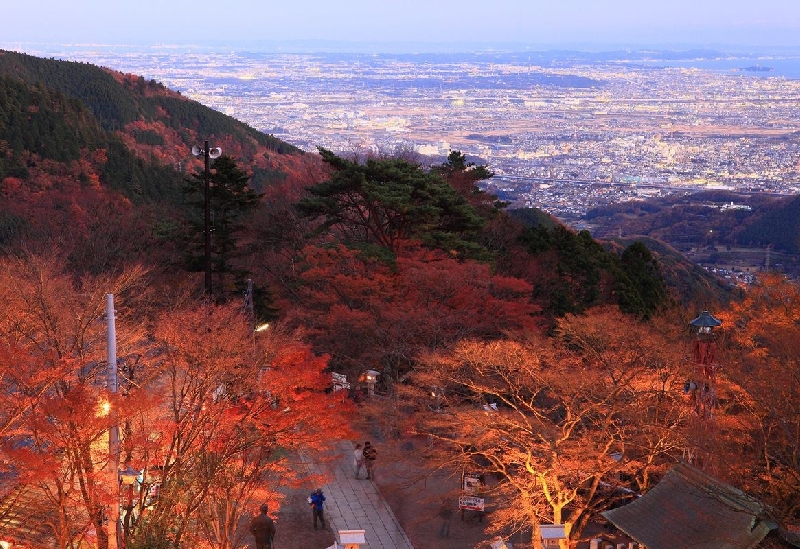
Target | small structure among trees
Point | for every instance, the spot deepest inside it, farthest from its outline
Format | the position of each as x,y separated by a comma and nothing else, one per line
691,509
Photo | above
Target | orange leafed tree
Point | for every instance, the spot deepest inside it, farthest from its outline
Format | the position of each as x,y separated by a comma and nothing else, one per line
765,362
372,314
559,422
54,384
210,413
236,408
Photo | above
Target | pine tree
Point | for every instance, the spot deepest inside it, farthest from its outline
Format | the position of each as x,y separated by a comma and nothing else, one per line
231,199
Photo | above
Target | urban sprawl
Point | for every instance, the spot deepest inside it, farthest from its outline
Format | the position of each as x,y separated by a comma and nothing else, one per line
563,136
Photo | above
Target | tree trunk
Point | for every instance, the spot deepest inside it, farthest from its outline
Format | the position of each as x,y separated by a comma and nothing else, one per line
536,534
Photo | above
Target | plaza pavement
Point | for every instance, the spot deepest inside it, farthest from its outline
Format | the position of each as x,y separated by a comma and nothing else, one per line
358,505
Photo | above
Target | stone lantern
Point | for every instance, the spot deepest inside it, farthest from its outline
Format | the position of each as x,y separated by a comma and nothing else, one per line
352,539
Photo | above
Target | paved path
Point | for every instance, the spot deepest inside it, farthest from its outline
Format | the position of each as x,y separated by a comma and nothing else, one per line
358,505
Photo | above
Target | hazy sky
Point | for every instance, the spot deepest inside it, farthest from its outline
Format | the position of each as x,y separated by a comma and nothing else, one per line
746,22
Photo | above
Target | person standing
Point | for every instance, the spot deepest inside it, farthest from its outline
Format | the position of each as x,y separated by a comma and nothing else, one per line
370,454
446,512
263,529
358,459
316,500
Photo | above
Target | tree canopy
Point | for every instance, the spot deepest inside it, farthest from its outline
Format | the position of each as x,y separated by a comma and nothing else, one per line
382,202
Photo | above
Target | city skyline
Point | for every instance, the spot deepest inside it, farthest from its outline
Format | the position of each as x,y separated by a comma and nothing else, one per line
414,23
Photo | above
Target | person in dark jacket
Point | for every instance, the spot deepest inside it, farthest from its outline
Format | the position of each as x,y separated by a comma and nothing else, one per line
370,454
263,529
316,500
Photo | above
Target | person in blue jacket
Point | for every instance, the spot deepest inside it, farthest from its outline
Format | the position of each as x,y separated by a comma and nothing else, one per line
316,500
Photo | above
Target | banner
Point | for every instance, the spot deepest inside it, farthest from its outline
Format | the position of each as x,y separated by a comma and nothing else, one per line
470,503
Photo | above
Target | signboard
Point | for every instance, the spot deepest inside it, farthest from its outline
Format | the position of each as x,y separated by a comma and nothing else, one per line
352,539
551,534
472,483
340,382
470,503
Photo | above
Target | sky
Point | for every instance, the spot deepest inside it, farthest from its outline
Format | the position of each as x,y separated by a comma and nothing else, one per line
762,23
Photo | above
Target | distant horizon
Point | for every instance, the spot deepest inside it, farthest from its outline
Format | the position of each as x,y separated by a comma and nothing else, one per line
588,23
321,46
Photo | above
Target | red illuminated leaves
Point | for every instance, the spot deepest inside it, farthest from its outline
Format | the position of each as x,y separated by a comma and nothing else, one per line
366,313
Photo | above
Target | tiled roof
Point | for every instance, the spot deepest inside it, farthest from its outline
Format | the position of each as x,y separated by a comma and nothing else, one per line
691,510
23,518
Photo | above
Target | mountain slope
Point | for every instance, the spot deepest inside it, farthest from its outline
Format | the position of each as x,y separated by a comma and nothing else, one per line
75,137
66,112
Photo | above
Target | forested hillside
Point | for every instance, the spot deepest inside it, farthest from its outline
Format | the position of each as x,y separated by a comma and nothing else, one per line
56,109
498,339
706,218
76,133
95,162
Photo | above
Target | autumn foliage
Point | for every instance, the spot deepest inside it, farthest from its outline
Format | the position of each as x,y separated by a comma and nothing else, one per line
211,415
368,314
559,422
765,364
553,364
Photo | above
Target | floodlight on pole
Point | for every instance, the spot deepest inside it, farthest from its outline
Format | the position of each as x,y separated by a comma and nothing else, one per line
207,153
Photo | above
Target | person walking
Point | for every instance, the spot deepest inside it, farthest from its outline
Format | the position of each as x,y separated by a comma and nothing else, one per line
263,529
370,454
316,500
358,459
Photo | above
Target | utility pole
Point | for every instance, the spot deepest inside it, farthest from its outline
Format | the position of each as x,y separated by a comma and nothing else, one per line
207,218
248,303
113,431
207,154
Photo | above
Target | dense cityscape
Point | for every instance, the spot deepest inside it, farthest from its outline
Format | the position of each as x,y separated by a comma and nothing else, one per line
563,132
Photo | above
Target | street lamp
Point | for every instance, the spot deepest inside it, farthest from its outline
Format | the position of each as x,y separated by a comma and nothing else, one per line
207,153
705,361
371,377
704,322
